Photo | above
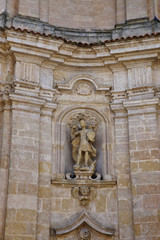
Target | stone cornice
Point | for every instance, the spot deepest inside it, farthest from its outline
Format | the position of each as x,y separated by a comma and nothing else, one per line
132,28
119,110
144,106
140,103
32,104
58,52
45,49
48,109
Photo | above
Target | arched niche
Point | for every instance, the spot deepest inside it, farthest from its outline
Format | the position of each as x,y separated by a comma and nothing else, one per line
63,161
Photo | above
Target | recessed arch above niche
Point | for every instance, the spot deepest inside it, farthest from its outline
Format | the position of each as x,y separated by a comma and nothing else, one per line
78,83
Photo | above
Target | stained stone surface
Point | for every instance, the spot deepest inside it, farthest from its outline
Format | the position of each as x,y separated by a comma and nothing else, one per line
44,82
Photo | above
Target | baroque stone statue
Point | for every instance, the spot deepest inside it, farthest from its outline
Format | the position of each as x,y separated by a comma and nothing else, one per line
82,139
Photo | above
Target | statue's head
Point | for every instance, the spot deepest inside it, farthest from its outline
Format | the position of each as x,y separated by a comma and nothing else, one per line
83,123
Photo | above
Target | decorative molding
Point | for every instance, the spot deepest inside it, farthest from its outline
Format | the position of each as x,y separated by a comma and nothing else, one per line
144,106
86,222
72,182
139,76
119,110
141,103
119,96
28,72
82,79
141,92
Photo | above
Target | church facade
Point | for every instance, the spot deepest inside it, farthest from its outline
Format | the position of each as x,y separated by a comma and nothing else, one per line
79,119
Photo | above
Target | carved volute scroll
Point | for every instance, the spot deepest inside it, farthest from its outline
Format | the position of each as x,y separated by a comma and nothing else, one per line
83,133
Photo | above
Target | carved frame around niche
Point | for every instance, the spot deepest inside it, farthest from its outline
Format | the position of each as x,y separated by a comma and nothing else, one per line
63,118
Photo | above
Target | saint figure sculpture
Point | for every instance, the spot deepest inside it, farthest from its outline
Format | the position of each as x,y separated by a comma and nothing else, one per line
82,149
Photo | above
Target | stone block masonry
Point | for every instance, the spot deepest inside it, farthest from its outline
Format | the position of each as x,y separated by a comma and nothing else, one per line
44,83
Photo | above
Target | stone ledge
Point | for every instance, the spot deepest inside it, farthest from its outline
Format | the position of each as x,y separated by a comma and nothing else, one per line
73,183
129,104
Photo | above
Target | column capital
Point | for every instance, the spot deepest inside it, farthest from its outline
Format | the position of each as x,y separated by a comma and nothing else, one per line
48,109
144,106
119,110
118,67
138,63
26,103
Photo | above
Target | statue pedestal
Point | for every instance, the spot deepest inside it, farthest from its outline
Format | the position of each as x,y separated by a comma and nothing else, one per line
83,174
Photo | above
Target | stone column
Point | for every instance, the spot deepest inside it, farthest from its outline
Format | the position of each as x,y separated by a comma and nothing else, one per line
29,8
125,210
12,7
136,9
45,158
3,6
5,120
157,8
44,10
121,11
145,166
124,194
21,216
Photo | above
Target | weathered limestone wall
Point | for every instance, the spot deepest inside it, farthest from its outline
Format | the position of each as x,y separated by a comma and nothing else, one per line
89,14
92,14
23,176
83,14
144,157
3,6
65,209
4,161
25,9
43,83
136,9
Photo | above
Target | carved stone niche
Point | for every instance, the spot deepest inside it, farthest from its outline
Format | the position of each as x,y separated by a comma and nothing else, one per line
82,96
63,155
83,228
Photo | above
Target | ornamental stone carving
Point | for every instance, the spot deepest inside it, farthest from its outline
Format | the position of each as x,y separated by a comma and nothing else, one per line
84,234
84,89
84,194
82,138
